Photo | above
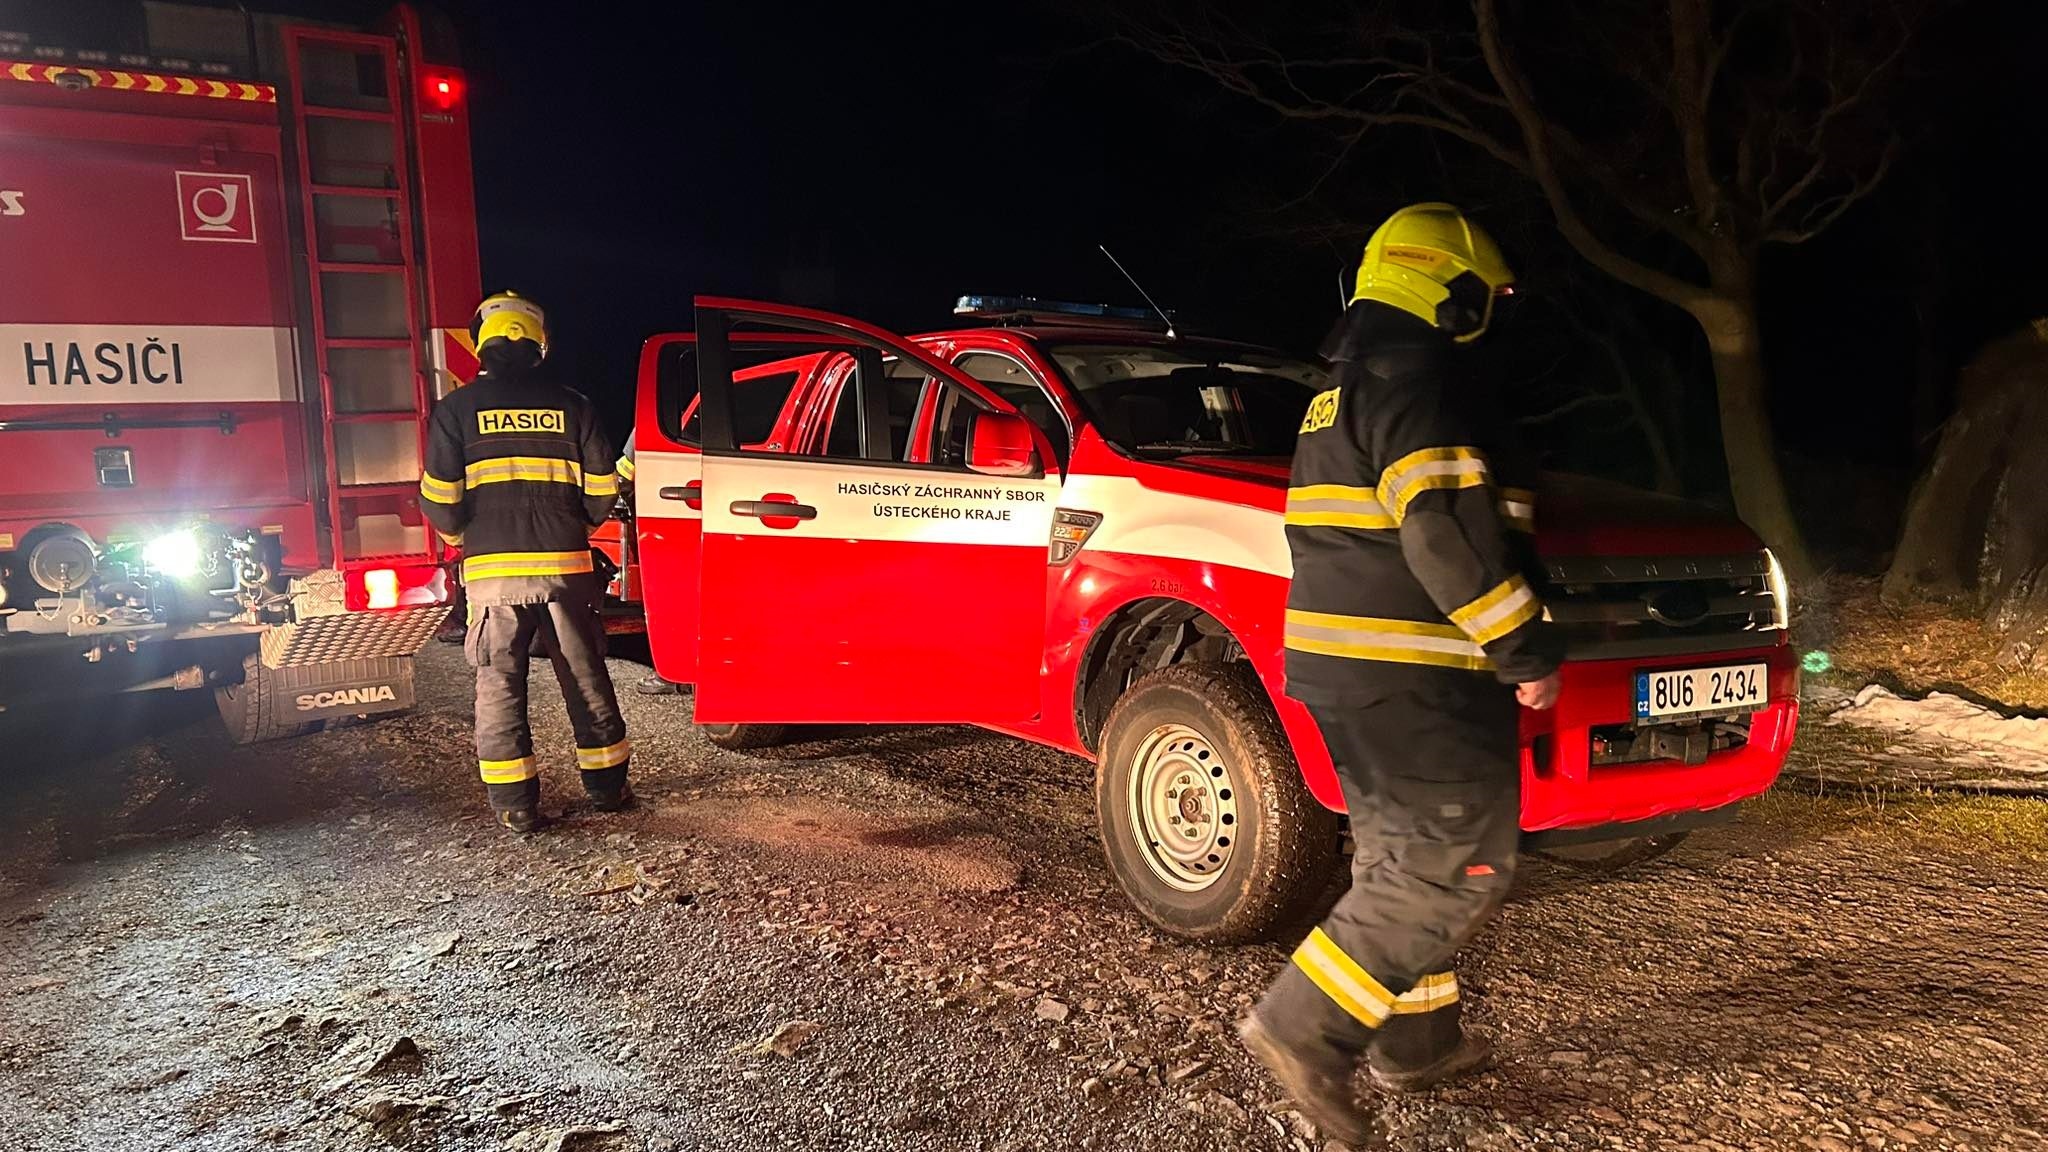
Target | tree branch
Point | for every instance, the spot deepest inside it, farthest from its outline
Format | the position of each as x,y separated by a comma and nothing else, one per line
1237,76
1827,212
1544,171
1689,51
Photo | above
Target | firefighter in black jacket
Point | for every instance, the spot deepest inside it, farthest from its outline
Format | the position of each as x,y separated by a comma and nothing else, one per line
1411,632
519,472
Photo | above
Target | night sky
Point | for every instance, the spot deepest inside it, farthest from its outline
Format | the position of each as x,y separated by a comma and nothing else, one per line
883,159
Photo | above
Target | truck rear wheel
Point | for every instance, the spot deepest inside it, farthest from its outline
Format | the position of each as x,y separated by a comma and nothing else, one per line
244,709
745,737
1205,820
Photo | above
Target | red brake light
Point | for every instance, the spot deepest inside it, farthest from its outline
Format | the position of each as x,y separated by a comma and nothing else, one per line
444,90
412,586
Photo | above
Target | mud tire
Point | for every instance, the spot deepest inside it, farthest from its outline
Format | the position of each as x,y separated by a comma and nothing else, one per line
1285,848
244,710
745,737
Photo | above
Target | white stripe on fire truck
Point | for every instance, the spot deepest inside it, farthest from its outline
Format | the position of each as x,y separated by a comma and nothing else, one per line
147,364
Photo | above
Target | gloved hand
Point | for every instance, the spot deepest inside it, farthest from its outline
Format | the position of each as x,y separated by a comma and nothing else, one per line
1539,694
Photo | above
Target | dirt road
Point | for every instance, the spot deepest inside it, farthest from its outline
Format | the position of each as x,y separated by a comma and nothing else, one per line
903,939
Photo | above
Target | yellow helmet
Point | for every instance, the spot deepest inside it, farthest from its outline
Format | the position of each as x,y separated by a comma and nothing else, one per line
508,316
1428,260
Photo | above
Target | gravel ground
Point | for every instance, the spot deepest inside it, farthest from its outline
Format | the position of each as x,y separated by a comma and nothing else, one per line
904,939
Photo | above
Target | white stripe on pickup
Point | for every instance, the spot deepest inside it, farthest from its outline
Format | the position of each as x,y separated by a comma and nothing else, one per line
1137,521
653,471
1141,521
855,501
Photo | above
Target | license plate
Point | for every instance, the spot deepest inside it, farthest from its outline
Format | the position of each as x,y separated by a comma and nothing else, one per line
1702,691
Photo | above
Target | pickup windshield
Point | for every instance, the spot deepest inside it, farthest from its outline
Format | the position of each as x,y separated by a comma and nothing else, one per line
1184,399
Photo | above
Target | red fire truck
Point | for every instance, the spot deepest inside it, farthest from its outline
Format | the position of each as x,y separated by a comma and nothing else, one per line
239,263
1067,526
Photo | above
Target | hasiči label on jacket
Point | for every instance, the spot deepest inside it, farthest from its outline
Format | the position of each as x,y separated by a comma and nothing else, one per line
496,420
147,364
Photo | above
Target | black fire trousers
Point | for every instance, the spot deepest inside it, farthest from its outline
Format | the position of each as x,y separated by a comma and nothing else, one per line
1431,777
571,632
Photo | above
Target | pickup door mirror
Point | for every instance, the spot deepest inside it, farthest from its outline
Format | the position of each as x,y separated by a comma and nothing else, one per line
999,444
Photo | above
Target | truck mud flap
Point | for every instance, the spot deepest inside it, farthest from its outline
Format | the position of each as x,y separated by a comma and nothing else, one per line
365,687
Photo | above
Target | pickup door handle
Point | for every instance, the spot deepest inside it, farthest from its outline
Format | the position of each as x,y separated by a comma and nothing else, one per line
767,509
690,493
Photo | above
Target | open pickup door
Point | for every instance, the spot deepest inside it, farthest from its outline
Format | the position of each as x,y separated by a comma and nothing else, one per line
841,584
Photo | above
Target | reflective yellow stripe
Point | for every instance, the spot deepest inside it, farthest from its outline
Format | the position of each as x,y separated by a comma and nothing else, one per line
610,756
1342,980
440,491
452,539
1429,994
1372,638
1518,509
1509,605
600,484
625,468
542,469
507,771
1336,506
501,565
1429,468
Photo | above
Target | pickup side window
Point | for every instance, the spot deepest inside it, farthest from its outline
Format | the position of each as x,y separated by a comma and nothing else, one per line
1009,378
860,398
1187,398
903,385
758,398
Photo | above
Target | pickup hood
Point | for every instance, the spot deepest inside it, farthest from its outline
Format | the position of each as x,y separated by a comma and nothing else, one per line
1581,516
1575,515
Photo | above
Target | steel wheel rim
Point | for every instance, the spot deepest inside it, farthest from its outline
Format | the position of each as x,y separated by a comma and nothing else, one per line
1183,807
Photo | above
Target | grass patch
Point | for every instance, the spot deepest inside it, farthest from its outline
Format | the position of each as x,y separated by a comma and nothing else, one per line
2010,826
1915,648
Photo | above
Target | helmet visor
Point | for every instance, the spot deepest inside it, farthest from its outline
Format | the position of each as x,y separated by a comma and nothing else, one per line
1467,308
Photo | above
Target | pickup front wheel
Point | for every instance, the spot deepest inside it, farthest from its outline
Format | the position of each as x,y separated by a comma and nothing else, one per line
745,737
1205,820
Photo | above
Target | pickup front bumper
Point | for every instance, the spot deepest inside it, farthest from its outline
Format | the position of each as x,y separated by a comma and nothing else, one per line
1564,786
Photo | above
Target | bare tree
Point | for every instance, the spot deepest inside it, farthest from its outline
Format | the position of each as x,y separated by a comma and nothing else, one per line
1672,142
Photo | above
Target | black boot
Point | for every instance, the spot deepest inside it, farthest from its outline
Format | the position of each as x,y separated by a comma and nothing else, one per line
1469,1056
1417,1051
613,801
1320,1084
516,805
454,629
607,788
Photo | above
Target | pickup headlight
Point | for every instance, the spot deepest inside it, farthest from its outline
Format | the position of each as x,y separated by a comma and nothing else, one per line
174,554
1781,592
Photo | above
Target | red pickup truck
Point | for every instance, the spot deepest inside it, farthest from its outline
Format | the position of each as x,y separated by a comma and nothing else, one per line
1066,526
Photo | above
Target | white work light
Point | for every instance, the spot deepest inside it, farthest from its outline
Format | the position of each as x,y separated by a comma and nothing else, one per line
175,554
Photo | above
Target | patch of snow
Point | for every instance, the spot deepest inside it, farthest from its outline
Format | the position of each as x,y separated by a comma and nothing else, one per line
1823,700
1952,719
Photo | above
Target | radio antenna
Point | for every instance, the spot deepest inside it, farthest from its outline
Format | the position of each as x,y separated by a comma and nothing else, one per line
1141,291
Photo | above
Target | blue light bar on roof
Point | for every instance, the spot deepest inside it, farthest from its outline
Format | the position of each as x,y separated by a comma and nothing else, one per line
1032,307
